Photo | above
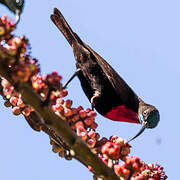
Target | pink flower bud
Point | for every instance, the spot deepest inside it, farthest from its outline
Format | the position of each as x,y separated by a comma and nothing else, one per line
81,132
79,124
135,166
74,111
68,103
67,112
91,142
20,103
92,114
64,92
16,110
88,110
75,118
82,113
80,108
5,83
53,107
13,100
88,121
125,151
59,101
54,73
118,169
91,134
120,141
94,125
126,172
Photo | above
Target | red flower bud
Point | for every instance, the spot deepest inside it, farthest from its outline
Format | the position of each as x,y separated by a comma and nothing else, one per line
79,124
88,121
13,100
16,110
68,103
67,112
82,113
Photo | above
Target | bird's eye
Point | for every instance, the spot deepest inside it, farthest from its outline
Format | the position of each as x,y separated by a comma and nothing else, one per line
145,113
19,2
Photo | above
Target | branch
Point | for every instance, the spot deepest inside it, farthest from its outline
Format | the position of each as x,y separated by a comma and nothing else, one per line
40,100
62,129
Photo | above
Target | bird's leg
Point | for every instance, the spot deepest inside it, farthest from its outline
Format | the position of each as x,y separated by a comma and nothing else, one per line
94,99
72,77
53,89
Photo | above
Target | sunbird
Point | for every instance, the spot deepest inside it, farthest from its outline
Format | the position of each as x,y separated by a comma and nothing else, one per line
107,92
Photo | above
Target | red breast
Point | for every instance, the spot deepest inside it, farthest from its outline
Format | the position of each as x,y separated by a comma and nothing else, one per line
121,113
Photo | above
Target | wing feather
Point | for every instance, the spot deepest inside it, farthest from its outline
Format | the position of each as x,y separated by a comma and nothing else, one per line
130,99
126,94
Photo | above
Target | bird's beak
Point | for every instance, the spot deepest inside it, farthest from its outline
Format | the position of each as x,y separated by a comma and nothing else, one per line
17,16
144,126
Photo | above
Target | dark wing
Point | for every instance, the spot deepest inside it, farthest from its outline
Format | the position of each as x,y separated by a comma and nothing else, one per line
128,96
59,20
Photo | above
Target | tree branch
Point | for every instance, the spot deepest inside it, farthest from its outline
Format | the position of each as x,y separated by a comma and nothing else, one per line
61,128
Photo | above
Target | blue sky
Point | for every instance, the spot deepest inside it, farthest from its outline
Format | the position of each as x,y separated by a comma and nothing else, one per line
141,40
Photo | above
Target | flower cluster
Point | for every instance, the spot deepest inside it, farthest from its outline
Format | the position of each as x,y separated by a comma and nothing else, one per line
150,172
80,120
111,150
6,27
23,68
13,50
130,166
116,148
44,85
14,99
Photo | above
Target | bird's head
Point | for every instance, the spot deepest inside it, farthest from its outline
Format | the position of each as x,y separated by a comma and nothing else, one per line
148,116
16,6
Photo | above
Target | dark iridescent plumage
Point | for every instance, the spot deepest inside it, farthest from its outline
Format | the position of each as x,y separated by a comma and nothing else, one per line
105,89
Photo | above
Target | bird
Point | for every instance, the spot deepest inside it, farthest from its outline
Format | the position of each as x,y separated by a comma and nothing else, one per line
15,6
107,92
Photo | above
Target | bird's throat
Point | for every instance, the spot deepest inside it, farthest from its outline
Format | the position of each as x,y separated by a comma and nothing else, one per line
121,113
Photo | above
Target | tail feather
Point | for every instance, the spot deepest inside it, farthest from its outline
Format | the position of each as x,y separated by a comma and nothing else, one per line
64,27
